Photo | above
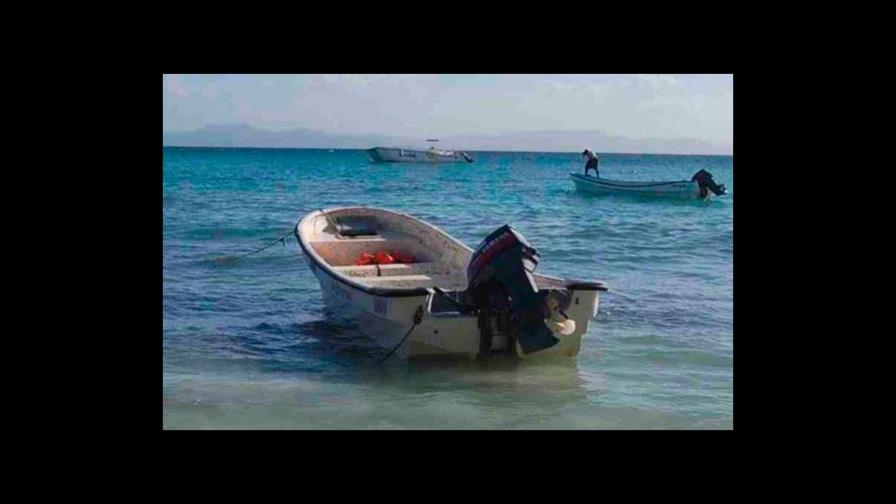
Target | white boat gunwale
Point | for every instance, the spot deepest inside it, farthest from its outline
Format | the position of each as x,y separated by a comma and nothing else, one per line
623,184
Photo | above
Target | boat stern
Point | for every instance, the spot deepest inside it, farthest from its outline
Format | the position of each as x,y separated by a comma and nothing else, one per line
569,325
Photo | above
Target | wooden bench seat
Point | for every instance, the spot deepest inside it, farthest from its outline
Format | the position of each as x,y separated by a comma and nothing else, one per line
412,281
387,270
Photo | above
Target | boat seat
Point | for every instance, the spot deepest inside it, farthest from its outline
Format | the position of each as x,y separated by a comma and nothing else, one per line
406,281
397,278
398,269
413,281
372,267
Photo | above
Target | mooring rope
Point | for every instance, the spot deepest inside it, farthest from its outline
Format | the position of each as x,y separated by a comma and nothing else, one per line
418,317
282,240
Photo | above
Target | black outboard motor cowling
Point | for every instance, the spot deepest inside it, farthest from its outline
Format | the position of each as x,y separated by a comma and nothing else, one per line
706,182
501,286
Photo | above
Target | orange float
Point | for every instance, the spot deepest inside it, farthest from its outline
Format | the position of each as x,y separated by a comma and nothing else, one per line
365,259
385,257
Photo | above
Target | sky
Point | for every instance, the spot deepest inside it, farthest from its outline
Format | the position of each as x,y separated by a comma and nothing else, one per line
634,106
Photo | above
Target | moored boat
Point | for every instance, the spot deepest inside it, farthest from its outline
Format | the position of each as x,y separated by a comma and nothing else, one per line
444,299
701,186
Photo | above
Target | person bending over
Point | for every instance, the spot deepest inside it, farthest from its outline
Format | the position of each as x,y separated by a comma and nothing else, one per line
591,164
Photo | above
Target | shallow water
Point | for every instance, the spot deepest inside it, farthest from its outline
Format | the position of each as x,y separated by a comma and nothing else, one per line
247,344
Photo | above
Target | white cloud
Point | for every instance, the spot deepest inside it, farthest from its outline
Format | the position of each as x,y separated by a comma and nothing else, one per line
658,81
361,83
174,84
663,102
365,103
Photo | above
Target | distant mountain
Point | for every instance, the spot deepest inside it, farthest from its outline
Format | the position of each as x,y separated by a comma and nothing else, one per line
243,135
577,141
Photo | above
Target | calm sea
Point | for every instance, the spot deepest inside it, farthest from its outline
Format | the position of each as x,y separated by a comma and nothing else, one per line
247,345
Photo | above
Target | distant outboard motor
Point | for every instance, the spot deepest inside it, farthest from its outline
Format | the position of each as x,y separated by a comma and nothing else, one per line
501,288
706,182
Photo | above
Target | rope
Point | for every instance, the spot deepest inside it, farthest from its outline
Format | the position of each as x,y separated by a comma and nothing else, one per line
282,240
418,317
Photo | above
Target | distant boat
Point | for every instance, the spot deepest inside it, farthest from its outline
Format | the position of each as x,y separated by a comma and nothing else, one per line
701,186
431,155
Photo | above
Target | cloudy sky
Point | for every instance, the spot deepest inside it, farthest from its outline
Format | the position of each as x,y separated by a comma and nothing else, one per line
635,106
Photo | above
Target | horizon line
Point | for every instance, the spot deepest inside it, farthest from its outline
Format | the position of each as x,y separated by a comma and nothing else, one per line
465,150
448,135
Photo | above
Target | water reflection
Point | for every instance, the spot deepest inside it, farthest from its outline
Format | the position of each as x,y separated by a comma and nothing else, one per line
532,391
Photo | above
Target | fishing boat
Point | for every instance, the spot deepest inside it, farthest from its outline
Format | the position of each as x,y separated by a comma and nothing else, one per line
442,299
431,155
701,186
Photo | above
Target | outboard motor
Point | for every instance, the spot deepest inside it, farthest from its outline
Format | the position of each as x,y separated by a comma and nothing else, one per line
706,182
502,290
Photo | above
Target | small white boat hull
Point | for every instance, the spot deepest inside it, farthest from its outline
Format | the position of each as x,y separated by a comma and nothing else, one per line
682,189
437,335
396,155
386,314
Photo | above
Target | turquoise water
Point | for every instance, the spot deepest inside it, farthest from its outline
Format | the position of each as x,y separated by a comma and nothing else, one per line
246,343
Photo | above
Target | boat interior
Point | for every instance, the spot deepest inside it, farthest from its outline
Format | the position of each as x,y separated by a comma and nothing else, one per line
339,237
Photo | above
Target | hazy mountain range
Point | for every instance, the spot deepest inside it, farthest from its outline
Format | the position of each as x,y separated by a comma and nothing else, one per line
243,135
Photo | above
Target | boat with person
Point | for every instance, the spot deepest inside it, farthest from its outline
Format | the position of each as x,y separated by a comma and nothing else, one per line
404,155
419,292
701,186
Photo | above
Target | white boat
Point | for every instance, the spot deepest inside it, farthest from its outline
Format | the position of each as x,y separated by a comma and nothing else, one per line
397,155
431,155
701,186
450,301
